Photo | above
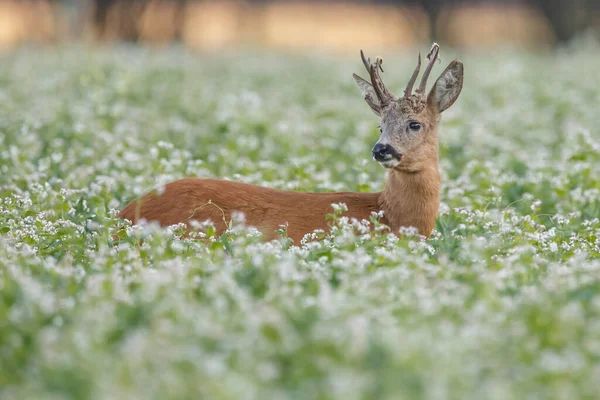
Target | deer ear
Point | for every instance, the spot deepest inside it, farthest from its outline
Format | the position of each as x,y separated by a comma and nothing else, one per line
447,88
370,96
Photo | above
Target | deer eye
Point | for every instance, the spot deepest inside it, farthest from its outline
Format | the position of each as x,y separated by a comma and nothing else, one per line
380,130
414,126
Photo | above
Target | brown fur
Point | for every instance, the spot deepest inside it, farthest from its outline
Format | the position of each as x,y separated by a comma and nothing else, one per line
268,209
411,196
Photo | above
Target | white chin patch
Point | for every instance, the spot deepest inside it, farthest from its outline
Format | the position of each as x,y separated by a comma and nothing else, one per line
393,163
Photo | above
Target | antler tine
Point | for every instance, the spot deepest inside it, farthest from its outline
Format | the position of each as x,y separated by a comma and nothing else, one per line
432,56
413,78
383,94
366,62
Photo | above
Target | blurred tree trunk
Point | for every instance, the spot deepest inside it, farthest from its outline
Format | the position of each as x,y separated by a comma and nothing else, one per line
567,18
433,8
100,16
126,21
119,19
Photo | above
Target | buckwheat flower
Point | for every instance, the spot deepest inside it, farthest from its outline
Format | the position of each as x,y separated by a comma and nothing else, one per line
177,246
92,225
339,207
535,205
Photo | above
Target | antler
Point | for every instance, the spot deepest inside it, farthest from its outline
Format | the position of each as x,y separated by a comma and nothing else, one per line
432,56
385,97
413,78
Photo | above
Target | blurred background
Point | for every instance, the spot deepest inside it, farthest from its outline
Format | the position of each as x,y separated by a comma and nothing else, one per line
295,24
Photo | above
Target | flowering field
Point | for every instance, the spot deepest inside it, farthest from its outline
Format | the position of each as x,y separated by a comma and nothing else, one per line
502,302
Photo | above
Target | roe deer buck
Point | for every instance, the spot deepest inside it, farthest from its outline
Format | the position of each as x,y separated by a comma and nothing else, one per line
408,147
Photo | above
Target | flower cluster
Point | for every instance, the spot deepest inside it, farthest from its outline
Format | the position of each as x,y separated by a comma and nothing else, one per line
502,301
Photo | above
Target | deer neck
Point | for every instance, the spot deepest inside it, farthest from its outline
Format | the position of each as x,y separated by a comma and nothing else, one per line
412,198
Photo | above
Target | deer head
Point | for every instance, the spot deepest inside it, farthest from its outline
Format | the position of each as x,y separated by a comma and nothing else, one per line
409,125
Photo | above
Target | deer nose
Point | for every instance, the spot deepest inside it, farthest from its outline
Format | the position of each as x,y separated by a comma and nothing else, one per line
384,152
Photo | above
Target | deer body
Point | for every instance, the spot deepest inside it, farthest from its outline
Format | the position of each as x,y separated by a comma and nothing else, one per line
407,200
408,147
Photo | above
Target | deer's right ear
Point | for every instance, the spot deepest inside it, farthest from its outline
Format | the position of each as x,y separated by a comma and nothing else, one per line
369,93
